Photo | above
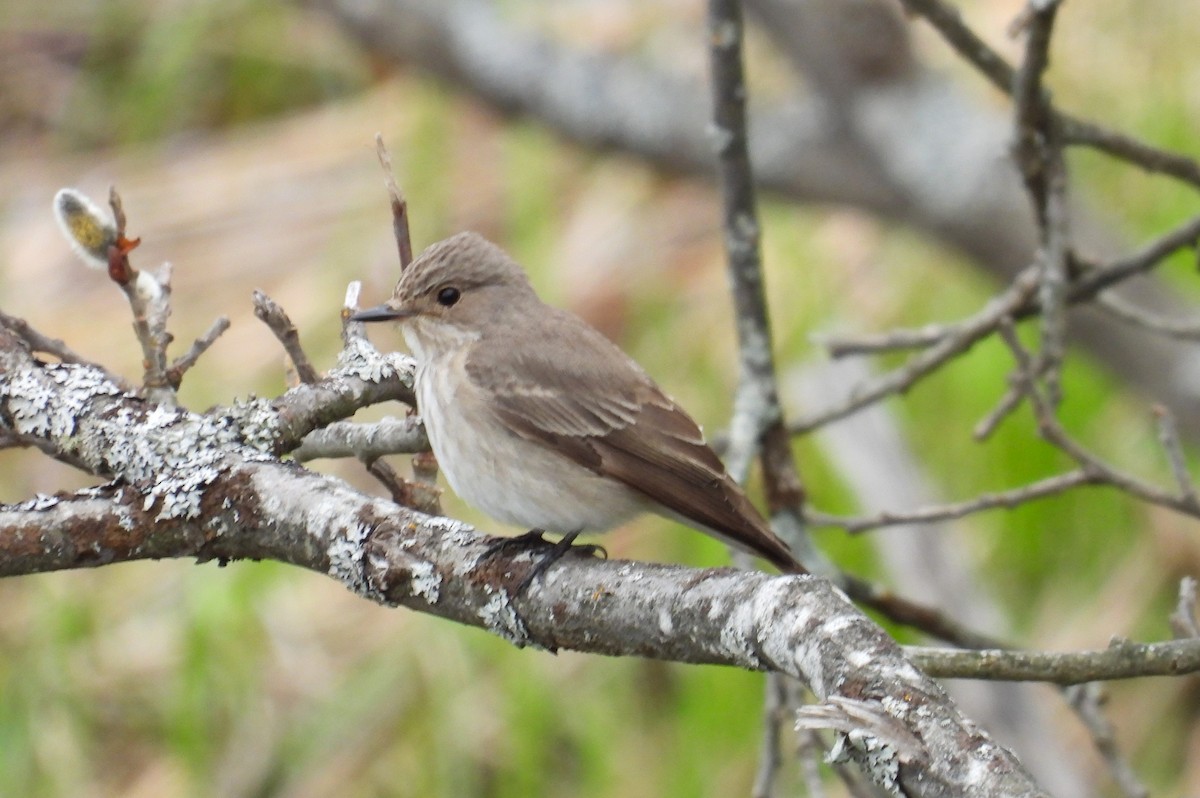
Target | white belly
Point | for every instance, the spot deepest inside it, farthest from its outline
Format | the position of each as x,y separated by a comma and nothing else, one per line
512,479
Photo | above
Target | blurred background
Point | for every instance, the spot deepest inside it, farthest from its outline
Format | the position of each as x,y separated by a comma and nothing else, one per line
240,135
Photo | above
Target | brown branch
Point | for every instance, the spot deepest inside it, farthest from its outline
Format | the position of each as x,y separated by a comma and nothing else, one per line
398,203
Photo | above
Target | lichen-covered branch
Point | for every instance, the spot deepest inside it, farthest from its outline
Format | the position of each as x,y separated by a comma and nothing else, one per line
209,486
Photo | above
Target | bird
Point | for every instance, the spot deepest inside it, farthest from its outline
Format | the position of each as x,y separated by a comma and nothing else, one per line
540,421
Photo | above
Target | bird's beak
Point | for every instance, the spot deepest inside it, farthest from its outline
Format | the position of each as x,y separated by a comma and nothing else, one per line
381,313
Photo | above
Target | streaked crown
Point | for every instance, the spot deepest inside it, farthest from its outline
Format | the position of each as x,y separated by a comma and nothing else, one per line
466,261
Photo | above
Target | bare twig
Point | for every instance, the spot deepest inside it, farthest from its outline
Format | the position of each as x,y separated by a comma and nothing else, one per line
1037,152
274,316
201,345
1053,432
948,22
757,424
1150,255
1086,700
1186,330
52,346
1123,659
1168,436
1081,132
398,203
1092,279
775,710
929,620
1004,408
1183,619
1008,499
890,341
966,334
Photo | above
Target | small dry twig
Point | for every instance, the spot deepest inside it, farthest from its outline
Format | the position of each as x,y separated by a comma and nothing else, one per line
1086,700
201,345
1183,619
273,315
399,205
1185,330
1050,486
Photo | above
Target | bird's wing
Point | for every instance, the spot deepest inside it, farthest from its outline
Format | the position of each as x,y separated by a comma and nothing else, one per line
598,408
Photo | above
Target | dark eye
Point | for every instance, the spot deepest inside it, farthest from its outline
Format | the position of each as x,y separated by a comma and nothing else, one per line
448,296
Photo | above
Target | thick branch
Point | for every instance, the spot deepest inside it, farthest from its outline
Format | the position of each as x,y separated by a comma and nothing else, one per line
193,485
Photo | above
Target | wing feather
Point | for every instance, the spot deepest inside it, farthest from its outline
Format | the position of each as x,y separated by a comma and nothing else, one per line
601,410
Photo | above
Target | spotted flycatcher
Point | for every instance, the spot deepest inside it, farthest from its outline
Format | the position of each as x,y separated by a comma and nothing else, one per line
540,421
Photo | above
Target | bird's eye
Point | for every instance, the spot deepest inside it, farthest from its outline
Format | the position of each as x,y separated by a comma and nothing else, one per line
448,296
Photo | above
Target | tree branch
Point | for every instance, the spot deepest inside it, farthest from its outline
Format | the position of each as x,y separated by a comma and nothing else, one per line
207,486
1121,660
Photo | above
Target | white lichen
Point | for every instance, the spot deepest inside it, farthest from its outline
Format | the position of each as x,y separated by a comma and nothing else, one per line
426,581
175,453
501,619
879,760
362,360
345,553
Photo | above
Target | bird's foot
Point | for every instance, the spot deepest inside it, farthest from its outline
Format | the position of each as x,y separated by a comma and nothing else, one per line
535,539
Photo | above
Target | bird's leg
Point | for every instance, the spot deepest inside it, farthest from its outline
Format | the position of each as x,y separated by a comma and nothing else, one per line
534,538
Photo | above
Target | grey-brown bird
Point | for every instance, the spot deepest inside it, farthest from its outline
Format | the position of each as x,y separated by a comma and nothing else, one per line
540,421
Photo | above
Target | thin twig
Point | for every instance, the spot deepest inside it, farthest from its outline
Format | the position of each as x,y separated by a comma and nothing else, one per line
44,344
1086,700
967,333
1150,255
1168,436
1123,659
926,619
201,345
774,711
948,22
274,316
1053,433
149,296
1185,330
1037,151
890,341
1092,279
1183,619
1008,499
398,203
1012,399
